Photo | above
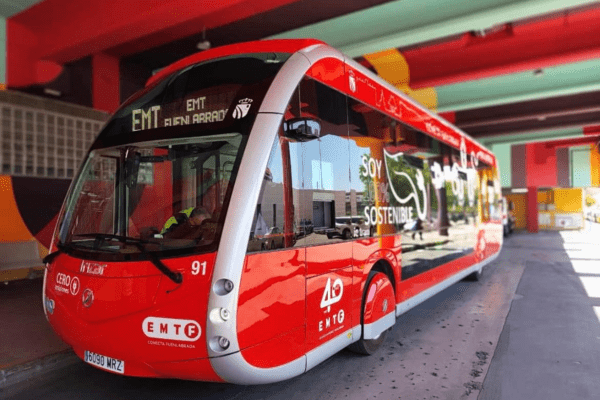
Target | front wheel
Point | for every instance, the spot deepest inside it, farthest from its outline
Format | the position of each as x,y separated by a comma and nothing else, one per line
475,276
368,347
378,302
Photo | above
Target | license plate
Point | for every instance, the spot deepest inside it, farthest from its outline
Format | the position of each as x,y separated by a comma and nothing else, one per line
104,362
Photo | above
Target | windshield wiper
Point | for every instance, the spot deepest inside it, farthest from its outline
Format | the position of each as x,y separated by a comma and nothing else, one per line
100,238
51,256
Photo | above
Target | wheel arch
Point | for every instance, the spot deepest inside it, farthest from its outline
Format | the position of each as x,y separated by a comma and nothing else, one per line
387,262
384,266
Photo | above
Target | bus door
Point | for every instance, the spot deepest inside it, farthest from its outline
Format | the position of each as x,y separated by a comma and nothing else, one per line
271,307
325,184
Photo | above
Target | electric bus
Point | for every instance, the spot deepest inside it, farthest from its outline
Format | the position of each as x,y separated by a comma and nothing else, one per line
181,251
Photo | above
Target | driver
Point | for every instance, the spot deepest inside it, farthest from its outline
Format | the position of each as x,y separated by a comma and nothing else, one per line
198,215
188,227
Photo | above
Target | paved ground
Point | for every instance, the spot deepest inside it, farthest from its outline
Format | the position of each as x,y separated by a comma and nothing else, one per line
550,345
24,334
28,345
528,330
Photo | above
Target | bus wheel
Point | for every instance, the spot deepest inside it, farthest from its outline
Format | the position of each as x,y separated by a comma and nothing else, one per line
475,276
377,304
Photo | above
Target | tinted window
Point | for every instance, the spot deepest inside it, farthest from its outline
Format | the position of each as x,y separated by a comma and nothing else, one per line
218,94
272,225
130,201
324,173
408,182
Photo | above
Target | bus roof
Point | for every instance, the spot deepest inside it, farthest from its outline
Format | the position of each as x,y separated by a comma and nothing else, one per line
293,45
259,46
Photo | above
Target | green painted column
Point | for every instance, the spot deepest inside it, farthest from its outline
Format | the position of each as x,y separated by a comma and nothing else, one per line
580,167
502,153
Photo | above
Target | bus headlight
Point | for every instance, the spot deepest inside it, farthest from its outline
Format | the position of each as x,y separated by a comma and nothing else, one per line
223,342
219,343
219,315
225,314
49,305
223,287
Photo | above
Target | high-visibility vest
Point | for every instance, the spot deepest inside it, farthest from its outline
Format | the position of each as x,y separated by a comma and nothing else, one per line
173,220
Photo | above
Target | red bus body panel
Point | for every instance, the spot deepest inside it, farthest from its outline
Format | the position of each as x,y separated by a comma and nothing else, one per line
127,298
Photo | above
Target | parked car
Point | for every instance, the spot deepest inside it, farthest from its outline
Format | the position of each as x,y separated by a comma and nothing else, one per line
349,227
305,227
273,239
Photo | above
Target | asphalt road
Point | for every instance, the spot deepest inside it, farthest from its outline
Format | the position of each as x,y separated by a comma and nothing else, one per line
441,349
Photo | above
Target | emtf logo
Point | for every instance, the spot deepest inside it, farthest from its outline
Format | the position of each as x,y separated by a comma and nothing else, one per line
185,330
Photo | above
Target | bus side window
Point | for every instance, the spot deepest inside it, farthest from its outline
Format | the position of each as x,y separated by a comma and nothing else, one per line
326,177
268,223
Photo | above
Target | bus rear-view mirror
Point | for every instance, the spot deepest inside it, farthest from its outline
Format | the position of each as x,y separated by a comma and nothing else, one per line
302,129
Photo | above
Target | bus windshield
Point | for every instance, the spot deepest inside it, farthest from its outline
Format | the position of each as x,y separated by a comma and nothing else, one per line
152,197
158,177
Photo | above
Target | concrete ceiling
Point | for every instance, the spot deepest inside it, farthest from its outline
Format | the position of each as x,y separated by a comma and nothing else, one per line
497,68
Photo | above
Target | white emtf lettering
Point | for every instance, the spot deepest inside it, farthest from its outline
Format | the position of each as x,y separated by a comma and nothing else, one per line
335,319
186,330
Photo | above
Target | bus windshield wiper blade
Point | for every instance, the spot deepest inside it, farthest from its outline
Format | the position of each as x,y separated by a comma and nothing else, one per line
51,256
101,237
176,277
60,248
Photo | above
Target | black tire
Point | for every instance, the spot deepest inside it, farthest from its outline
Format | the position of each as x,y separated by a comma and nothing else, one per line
475,276
367,346
346,234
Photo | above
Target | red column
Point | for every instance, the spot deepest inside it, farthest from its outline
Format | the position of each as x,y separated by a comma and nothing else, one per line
532,210
105,82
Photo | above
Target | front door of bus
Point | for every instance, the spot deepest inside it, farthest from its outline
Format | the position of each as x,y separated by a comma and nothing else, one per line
329,247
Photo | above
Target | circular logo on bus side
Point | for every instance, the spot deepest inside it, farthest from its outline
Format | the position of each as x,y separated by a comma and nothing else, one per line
87,298
74,287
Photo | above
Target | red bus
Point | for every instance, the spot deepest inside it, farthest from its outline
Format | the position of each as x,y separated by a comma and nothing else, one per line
259,207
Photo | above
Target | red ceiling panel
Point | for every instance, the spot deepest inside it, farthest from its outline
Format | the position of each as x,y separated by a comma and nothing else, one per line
43,33
562,39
